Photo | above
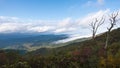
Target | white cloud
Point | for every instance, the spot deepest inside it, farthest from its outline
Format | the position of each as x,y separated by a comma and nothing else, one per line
71,38
65,22
8,27
5,19
39,29
85,21
67,25
64,30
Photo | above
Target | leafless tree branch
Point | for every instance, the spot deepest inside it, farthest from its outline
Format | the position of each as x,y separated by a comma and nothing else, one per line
95,25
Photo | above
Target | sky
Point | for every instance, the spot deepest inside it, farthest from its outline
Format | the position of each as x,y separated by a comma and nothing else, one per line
54,16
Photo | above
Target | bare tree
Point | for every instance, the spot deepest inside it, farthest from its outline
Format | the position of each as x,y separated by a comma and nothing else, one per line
95,25
113,20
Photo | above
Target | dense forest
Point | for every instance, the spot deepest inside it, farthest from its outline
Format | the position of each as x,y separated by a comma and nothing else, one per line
87,54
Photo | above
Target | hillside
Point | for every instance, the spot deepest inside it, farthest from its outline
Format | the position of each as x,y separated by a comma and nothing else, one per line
86,54
71,46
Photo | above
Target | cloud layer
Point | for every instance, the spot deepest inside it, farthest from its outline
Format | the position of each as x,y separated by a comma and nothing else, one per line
68,25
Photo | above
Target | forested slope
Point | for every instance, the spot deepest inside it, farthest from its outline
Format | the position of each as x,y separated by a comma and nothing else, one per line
86,54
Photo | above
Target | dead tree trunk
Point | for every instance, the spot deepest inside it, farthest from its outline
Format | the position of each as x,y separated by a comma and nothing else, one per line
113,21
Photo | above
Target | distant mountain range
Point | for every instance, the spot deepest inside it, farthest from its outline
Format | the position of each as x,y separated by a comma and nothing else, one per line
28,41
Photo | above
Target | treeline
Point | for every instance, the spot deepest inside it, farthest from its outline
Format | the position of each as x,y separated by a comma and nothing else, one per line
87,57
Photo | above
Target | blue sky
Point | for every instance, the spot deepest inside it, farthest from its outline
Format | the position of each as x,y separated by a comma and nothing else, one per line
53,9
53,16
